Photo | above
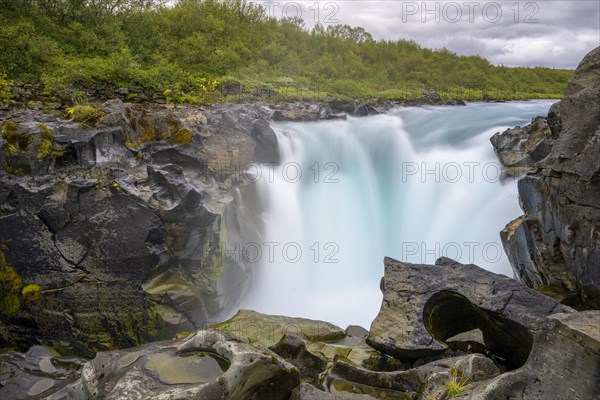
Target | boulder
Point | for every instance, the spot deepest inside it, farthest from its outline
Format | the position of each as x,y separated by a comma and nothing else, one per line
206,364
267,148
425,305
266,330
523,147
293,350
563,363
362,110
341,106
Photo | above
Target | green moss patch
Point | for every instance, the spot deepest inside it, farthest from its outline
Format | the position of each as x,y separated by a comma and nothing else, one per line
84,114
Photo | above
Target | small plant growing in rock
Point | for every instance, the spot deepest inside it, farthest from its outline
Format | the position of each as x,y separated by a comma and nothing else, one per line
456,385
84,114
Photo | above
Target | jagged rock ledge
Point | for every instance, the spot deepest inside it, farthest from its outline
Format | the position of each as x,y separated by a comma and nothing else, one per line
555,245
117,225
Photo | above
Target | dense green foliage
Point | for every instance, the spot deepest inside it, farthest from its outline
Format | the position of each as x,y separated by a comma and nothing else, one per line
179,47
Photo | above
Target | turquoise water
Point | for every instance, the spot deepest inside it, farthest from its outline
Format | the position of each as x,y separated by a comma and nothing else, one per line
415,184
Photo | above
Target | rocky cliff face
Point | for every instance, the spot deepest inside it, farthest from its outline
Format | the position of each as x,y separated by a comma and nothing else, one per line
113,231
555,246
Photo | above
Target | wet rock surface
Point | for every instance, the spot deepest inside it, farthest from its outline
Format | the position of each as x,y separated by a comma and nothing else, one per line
555,246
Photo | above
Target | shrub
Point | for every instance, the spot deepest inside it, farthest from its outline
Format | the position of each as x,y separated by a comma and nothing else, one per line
176,95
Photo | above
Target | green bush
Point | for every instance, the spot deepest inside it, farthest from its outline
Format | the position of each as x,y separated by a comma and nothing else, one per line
76,45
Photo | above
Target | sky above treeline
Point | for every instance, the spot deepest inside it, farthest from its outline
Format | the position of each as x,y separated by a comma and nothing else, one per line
546,33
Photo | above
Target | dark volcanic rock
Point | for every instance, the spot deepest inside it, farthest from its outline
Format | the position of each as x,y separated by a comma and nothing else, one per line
205,365
524,147
564,363
424,305
293,350
267,148
121,224
555,247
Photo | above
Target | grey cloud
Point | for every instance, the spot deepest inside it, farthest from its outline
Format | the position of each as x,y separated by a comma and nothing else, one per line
565,30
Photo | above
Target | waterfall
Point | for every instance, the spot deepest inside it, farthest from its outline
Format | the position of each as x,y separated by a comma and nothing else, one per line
414,184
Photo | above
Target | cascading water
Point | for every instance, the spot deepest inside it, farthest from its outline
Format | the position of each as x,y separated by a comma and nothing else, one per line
415,184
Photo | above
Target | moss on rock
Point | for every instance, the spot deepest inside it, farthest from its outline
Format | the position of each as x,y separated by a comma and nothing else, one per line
85,114
46,144
10,288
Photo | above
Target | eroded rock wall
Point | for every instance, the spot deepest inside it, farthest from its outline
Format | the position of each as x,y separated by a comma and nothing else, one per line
555,246
119,223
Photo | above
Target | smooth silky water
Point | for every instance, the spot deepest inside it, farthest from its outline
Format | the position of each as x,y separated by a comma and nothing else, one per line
414,184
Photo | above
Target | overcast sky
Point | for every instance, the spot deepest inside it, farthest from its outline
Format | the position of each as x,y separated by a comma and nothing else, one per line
516,33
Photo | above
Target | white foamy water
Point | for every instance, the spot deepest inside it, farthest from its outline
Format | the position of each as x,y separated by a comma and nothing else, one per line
415,184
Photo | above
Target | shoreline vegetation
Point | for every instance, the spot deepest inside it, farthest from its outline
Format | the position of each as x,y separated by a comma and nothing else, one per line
208,52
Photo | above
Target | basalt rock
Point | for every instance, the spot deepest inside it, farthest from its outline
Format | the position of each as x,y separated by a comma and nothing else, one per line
523,147
293,350
425,305
563,363
121,222
555,246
